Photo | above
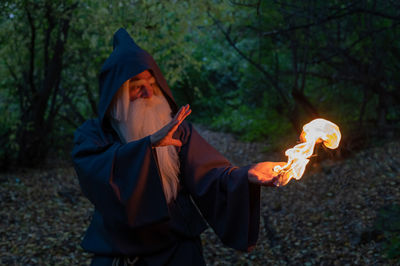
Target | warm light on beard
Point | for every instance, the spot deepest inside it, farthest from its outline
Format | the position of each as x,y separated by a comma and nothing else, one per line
145,117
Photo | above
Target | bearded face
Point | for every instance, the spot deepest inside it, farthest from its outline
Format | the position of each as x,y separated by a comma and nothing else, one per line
141,117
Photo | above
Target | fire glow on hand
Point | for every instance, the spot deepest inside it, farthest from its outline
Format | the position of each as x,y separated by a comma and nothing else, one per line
318,130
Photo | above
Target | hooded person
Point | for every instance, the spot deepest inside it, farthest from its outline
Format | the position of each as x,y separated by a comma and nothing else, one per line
153,180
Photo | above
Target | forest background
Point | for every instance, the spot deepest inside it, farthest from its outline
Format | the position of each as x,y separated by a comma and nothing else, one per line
257,69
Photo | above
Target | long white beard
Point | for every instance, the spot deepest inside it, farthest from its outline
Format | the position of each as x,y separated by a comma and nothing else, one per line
145,117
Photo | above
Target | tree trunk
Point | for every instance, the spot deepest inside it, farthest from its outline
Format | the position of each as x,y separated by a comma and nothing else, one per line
37,120
382,110
303,110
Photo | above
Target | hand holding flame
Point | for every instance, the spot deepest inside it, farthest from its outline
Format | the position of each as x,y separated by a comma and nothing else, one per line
263,173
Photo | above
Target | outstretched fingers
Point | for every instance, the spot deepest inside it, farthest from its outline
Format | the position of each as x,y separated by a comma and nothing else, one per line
183,112
187,113
163,137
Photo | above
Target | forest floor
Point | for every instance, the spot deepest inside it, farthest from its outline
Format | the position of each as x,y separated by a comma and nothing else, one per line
340,213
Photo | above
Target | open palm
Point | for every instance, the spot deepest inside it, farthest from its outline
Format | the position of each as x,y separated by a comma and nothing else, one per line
163,137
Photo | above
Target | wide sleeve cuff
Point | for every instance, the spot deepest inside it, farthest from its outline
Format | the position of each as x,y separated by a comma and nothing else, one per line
136,181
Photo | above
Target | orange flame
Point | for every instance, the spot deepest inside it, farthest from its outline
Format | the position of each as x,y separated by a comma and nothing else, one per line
318,130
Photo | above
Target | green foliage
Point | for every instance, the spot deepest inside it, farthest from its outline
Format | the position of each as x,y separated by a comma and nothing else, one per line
251,124
229,112
239,64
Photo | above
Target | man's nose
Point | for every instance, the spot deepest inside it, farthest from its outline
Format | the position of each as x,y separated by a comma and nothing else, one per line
147,91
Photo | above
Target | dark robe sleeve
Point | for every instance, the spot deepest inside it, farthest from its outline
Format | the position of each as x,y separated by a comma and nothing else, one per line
222,192
121,180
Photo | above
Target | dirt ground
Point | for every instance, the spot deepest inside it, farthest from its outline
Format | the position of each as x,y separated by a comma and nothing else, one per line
329,217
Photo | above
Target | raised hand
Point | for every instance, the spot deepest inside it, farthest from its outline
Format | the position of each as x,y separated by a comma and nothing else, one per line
163,137
263,173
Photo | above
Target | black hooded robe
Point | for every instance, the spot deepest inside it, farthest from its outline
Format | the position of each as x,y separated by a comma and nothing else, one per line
132,217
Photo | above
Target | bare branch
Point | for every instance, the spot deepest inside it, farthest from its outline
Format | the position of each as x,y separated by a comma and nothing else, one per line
74,109
258,7
331,77
378,14
338,50
50,20
307,25
31,50
69,120
248,59
245,4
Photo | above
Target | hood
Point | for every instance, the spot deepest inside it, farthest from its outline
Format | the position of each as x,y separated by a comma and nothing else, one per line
127,60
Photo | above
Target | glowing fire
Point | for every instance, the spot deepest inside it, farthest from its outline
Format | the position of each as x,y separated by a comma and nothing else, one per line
318,130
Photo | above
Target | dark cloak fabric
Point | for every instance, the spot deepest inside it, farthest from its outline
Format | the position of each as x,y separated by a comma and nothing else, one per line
132,217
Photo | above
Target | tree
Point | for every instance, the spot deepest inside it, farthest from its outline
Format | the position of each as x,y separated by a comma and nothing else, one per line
311,54
35,64
52,56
